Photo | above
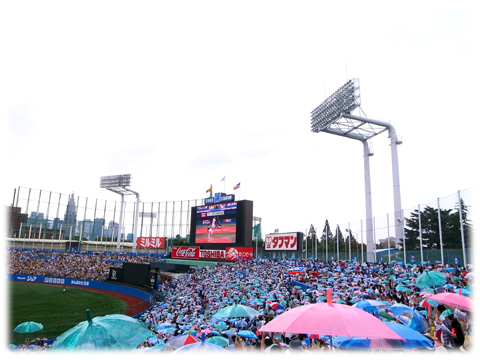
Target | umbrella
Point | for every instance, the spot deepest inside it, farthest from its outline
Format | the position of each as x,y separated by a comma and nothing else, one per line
370,305
242,324
221,326
201,346
237,311
414,340
182,340
247,334
430,278
463,291
385,315
409,317
28,327
163,326
276,306
453,299
296,270
330,319
218,340
109,332
168,330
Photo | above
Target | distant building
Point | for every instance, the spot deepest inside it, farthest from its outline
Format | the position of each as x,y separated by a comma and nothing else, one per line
112,230
70,218
57,224
86,229
15,219
37,220
98,225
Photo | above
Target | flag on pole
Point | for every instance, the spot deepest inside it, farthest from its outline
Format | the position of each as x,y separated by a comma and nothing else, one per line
209,189
236,186
223,179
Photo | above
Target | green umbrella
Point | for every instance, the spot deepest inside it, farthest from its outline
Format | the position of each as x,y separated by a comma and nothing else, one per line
237,311
218,340
386,315
28,327
103,333
430,278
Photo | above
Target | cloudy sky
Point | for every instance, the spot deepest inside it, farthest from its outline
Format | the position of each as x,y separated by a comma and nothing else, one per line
182,93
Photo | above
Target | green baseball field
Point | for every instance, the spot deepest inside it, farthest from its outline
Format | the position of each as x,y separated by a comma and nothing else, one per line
55,309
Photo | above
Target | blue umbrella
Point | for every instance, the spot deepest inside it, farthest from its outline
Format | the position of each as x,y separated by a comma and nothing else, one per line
464,291
163,326
414,340
247,334
370,305
241,324
409,317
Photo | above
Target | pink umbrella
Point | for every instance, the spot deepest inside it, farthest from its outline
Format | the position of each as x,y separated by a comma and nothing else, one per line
454,299
330,319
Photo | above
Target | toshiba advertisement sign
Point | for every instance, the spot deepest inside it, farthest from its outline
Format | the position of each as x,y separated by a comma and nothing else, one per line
284,241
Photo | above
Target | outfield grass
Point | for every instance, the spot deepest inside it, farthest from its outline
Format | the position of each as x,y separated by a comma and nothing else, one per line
56,310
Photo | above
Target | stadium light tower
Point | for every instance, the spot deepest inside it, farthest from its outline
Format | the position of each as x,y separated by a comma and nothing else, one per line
333,116
118,184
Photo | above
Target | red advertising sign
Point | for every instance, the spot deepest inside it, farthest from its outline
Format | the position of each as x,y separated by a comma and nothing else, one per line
185,252
239,253
151,242
286,241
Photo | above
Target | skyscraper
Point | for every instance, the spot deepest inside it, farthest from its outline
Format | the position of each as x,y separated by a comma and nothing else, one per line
70,218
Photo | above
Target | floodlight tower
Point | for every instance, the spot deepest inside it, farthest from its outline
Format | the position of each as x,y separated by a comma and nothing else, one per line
118,184
334,116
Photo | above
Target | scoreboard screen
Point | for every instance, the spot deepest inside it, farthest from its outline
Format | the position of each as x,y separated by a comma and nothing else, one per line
216,223
225,223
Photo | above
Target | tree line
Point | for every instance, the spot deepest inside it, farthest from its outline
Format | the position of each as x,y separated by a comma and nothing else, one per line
425,222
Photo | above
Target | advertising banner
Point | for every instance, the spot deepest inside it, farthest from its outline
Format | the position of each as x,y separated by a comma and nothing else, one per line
239,253
285,241
151,242
229,254
185,252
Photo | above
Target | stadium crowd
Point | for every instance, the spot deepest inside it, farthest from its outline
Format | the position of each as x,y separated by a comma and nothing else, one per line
188,302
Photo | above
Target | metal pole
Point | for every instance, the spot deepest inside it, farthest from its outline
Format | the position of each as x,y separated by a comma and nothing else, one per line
388,239
135,226
326,243
461,228
349,242
368,201
403,233
361,232
120,224
397,204
440,229
420,233
338,244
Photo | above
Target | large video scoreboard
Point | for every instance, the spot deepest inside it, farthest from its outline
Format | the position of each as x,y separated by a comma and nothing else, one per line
222,224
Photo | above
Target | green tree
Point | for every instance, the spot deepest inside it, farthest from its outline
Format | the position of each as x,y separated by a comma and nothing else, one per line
341,241
311,239
450,228
328,239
